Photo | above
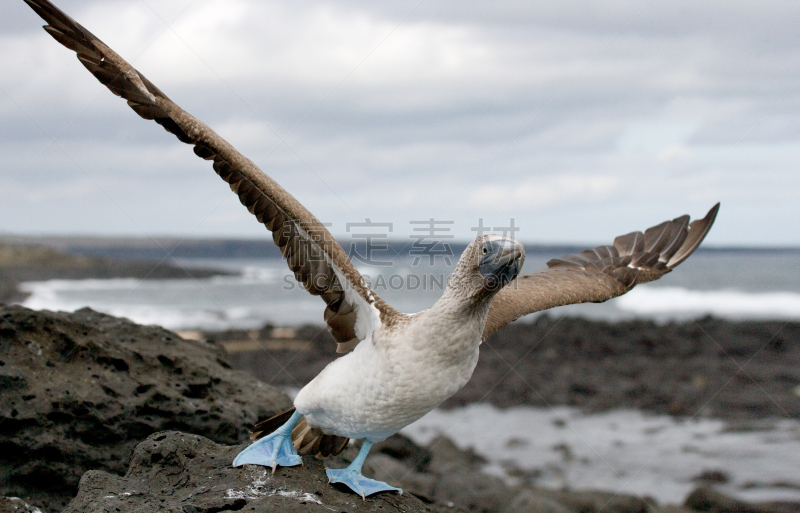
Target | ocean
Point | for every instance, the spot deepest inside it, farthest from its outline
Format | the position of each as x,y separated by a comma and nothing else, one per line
733,284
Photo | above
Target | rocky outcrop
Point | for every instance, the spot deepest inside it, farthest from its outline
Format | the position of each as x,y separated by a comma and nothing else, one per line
21,262
709,500
179,472
439,473
35,262
174,471
79,390
16,505
9,291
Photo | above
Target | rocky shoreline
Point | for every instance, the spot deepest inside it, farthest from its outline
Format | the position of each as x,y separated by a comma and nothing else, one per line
78,391
100,414
737,371
33,262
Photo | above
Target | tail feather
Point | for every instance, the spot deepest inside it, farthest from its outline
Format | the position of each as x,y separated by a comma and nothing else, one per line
302,434
306,439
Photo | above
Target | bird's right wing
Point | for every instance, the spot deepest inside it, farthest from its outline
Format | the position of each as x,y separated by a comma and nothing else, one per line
599,274
313,255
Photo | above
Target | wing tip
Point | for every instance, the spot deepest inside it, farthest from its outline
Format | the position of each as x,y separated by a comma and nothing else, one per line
698,230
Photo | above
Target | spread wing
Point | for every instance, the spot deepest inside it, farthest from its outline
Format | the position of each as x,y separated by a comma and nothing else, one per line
599,274
316,259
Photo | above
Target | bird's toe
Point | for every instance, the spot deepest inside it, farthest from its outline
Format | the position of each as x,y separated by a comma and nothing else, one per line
354,480
270,451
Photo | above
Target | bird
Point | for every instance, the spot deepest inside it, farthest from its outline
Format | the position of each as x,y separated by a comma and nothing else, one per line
396,367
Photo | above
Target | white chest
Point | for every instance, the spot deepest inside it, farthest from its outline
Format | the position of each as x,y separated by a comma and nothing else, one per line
385,385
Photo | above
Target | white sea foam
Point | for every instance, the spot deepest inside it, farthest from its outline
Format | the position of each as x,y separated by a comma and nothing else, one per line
52,294
260,296
252,274
724,303
625,451
214,304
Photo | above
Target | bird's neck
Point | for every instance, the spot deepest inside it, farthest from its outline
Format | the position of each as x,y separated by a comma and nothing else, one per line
462,306
449,333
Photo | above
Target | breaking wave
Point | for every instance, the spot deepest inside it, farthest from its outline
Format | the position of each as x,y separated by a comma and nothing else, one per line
734,304
259,296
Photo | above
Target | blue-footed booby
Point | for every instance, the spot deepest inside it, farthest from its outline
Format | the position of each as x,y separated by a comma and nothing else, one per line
397,366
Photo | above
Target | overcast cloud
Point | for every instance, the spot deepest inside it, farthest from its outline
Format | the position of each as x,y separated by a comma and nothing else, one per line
580,120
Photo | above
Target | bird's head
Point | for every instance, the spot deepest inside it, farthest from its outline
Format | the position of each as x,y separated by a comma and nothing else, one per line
488,264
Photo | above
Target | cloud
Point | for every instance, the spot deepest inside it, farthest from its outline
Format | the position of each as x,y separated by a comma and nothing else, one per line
567,116
545,191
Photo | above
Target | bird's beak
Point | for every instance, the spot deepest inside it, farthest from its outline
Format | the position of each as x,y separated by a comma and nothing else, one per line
502,263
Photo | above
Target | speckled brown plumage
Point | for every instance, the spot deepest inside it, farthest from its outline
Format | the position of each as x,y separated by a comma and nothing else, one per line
599,274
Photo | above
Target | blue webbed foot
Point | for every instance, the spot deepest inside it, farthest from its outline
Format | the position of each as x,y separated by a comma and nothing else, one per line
272,450
358,483
352,477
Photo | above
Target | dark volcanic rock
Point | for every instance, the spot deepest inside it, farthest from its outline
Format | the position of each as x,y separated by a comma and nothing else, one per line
9,293
441,473
172,471
403,449
732,370
594,501
711,501
16,505
35,262
288,367
178,472
461,481
79,390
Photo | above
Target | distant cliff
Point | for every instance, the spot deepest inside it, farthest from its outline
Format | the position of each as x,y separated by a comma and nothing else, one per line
34,262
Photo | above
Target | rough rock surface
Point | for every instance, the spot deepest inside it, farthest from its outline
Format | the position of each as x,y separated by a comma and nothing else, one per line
16,505
172,471
440,473
713,367
709,500
179,472
79,390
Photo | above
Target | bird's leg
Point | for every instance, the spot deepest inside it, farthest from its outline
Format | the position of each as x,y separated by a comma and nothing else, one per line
351,476
274,449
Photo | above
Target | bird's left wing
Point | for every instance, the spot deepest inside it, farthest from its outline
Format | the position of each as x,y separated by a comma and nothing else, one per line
599,274
317,260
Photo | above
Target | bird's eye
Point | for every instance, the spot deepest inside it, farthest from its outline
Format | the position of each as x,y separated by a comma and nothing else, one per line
485,250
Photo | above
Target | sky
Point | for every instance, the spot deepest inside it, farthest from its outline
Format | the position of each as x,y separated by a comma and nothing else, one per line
576,121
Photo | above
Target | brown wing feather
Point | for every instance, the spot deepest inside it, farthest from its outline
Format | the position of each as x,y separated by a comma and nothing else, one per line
313,255
599,274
